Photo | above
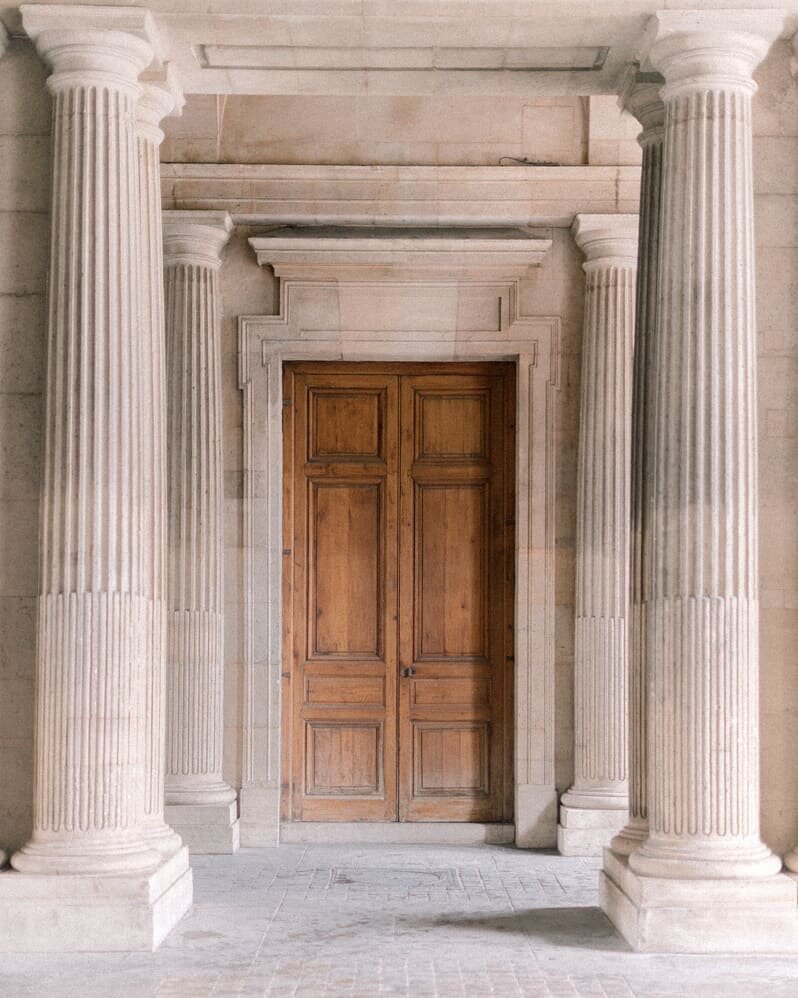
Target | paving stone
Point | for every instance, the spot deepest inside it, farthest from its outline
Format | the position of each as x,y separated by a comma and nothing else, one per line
413,921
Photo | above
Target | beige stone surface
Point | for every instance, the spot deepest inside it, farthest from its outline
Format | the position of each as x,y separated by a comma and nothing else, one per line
438,130
24,198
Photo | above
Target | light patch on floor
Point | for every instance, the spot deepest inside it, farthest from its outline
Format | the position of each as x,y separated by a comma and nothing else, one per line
406,920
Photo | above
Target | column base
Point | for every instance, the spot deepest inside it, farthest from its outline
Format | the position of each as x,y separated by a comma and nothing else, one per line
205,828
586,831
64,913
260,816
535,816
662,915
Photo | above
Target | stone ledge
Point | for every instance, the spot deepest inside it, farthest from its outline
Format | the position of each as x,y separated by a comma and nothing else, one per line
60,914
659,915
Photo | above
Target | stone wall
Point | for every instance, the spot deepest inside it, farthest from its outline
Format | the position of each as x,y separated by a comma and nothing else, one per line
24,200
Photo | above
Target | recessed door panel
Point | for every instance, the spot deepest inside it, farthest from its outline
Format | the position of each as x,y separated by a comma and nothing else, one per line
346,540
451,532
398,592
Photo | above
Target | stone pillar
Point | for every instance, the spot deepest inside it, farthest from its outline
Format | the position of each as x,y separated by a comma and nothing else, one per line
596,806
160,97
3,47
95,604
642,99
200,805
703,879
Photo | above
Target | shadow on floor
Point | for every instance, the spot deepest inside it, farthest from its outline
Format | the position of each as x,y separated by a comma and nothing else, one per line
575,928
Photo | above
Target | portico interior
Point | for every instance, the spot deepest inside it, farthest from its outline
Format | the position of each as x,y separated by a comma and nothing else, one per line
199,200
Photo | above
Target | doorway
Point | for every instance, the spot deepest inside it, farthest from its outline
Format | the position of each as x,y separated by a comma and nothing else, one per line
398,591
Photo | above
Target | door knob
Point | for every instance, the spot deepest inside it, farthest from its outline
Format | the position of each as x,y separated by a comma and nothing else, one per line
410,671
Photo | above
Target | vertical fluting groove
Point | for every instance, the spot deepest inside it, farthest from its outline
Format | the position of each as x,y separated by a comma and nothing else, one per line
92,604
651,111
695,497
603,497
155,103
195,534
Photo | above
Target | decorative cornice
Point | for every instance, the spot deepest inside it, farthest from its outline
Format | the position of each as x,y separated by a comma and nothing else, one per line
603,238
195,237
457,196
341,253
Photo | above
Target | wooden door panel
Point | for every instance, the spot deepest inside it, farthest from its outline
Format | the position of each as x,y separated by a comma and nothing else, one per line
342,460
346,424
343,759
451,426
451,585
398,591
451,760
346,540
455,634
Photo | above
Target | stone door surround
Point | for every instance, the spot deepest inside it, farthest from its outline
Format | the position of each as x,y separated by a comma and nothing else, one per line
388,295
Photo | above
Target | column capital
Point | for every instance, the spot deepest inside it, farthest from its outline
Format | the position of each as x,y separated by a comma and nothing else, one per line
109,46
710,49
641,97
195,237
161,97
606,238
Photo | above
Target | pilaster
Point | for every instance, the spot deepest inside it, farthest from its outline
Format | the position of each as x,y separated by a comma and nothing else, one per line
703,879
199,804
96,603
596,806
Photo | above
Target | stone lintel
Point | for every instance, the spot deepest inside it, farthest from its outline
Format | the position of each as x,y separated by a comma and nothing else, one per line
660,915
42,913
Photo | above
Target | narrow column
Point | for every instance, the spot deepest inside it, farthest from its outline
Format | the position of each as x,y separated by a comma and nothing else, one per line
703,879
596,806
642,99
93,599
200,805
160,97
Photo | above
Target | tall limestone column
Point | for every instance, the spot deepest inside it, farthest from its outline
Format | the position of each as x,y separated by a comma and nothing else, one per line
161,96
200,805
641,98
703,879
596,806
95,603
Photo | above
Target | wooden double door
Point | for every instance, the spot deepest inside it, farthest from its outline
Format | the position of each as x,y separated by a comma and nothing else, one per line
398,592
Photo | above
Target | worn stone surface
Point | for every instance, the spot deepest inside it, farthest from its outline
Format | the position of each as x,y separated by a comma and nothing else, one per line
396,920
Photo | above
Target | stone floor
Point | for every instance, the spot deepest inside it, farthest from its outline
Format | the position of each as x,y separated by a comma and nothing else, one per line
395,920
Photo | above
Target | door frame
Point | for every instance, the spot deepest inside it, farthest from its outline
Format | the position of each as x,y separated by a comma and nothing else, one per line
265,343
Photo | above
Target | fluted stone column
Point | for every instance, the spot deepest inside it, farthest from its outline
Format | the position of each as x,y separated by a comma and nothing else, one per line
161,96
596,806
200,805
641,98
3,47
95,601
703,879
